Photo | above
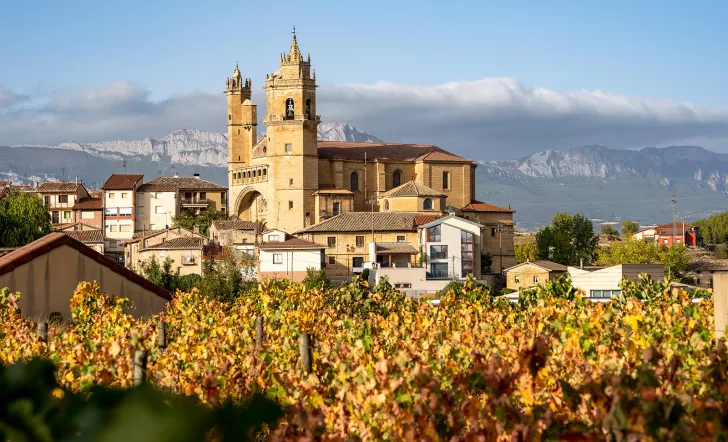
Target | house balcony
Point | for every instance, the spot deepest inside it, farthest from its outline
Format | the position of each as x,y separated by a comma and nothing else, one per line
195,202
188,260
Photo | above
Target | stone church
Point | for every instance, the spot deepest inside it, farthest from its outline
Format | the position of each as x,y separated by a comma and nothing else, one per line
289,180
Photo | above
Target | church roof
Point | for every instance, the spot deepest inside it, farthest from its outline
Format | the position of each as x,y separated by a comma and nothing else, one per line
362,222
411,188
478,206
347,150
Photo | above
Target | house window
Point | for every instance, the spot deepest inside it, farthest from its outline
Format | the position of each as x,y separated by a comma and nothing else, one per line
427,204
47,200
446,180
273,238
63,199
354,184
124,195
360,241
535,279
331,241
517,279
467,252
277,258
438,252
158,210
433,234
113,228
110,212
290,204
357,261
332,260
438,270
492,231
605,293
125,211
337,208
125,228
66,214
397,179
111,195
203,196
87,215
401,238
289,148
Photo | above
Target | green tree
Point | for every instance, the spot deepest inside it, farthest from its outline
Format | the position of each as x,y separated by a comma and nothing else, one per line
714,229
23,219
629,227
161,274
567,240
223,279
634,251
486,260
608,229
188,219
526,252
316,279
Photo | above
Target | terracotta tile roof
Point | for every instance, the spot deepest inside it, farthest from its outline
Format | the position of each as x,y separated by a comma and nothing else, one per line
544,264
181,243
22,188
362,222
63,226
478,206
86,236
145,233
140,235
293,243
396,248
89,204
40,247
411,188
391,151
171,183
333,192
57,187
122,181
233,224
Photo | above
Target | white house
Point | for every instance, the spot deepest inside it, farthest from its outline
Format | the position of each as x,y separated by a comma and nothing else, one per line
282,256
451,248
601,283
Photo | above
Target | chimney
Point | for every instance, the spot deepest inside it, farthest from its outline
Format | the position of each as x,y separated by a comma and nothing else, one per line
176,175
196,175
196,229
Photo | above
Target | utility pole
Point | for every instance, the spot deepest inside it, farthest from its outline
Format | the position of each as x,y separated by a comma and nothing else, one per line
674,216
500,228
63,173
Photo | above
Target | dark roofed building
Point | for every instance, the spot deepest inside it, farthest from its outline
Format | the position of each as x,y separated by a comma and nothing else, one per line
60,198
123,181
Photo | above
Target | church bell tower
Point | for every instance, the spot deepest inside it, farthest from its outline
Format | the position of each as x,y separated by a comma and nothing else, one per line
242,120
291,124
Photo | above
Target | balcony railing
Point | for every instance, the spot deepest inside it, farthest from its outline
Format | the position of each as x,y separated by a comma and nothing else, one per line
195,202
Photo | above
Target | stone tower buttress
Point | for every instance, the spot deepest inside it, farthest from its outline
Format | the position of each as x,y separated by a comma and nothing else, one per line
242,120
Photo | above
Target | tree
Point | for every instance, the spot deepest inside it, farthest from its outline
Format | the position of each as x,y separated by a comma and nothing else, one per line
223,279
188,219
316,279
486,260
714,229
635,251
526,252
629,227
567,240
23,219
608,229
161,275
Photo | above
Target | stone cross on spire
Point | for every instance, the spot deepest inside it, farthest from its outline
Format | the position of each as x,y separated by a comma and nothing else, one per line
295,54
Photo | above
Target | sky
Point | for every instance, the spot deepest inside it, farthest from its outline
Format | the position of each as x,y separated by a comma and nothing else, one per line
491,80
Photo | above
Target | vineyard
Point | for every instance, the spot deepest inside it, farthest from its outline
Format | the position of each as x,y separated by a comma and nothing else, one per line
552,367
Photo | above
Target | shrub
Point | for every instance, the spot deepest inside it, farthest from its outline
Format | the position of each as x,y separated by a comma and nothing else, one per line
316,279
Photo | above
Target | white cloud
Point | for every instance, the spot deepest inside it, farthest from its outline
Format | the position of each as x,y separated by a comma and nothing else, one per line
493,118
9,98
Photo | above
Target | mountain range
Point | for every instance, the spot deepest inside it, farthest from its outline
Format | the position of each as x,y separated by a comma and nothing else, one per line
604,184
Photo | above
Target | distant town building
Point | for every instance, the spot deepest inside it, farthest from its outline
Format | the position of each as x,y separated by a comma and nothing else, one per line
283,256
145,245
530,273
119,211
669,234
601,283
60,199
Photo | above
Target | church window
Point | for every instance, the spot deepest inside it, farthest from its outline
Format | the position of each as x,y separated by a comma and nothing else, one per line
427,204
446,180
337,208
230,117
397,179
265,149
238,131
290,181
290,112
289,148
386,204
290,204
354,182
308,109
260,173
265,172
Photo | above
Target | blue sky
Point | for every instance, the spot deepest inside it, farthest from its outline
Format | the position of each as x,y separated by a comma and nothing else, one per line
647,49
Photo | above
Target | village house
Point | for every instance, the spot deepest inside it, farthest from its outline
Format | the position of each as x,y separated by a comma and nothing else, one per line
159,200
498,232
669,234
90,236
186,253
47,271
149,240
530,273
601,283
283,256
119,211
60,199
236,234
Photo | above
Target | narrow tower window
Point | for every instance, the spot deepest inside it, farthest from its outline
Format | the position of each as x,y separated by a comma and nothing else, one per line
354,182
397,179
290,112
308,109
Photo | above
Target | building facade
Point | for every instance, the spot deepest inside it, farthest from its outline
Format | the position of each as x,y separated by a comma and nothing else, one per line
282,256
60,199
669,234
119,196
451,248
531,273
601,283
289,180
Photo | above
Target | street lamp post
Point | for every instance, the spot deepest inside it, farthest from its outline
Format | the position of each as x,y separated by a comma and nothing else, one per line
500,228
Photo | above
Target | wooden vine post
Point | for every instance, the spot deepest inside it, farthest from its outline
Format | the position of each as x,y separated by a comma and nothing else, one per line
720,298
140,367
42,331
304,343
162,335
258,332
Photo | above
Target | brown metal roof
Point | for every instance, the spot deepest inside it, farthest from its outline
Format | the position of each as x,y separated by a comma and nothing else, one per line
40,247
86,236
379,151
57,187
89,204
411,188
363,221
181,243
233,224
122,181
172,183
478,206
293,243
396,248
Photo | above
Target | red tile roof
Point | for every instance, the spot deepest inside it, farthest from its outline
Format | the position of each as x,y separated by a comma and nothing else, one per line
89,204
122,181
478,206
233,224
181,243
40,247
86,236
57,187
411,188
391,151
172,183
293,243
364,221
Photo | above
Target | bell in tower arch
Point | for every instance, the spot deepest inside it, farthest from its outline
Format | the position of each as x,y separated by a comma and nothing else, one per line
289,109
308,109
